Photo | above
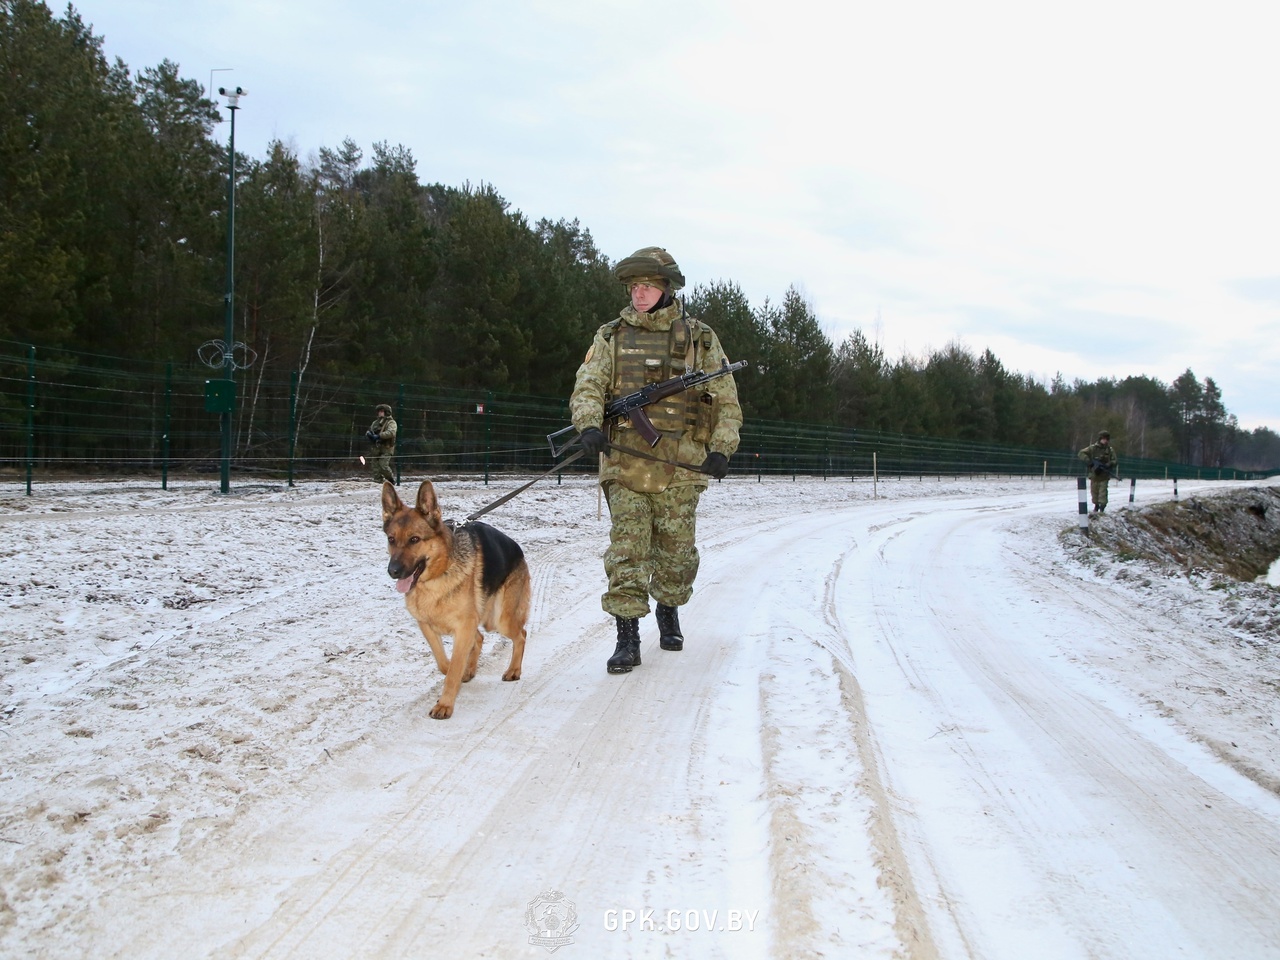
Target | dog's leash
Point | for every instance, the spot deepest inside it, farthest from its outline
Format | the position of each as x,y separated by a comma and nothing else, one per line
519,490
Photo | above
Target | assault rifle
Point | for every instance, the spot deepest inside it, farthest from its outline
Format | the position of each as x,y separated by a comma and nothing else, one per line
1097,466
632,406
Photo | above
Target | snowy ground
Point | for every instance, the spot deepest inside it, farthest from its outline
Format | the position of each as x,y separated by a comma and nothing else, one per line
906,725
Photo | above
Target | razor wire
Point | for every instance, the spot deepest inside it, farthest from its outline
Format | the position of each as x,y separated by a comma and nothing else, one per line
216,355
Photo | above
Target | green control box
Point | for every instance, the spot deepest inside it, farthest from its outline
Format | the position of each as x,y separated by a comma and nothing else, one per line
219,396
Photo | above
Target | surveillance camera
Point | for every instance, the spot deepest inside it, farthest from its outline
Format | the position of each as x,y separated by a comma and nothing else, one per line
237,92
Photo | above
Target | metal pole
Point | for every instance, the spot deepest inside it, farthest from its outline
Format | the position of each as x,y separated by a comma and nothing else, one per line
229,336
31,413
168,418
293,420
488,406
403,419
1082,486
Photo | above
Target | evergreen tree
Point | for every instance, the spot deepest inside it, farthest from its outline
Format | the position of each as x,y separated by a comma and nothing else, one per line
572,291
176,214
1188,398
473,309
66,118
798,362
954,405
401,263
724,308
860,377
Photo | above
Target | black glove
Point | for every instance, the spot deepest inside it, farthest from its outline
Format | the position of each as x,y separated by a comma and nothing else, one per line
716,465
373,437
593,440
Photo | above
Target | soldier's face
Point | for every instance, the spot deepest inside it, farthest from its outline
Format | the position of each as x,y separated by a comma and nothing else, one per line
644,296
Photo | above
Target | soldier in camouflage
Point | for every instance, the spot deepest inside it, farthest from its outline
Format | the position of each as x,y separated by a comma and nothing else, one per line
382,436
1102,466
652,505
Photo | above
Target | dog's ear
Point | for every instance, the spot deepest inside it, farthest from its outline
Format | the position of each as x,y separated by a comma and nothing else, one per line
390,502
428,505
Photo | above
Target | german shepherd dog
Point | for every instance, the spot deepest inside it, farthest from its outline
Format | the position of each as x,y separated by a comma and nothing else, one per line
456,580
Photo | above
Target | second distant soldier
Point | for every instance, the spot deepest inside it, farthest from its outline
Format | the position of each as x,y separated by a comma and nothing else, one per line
382,435
1103,462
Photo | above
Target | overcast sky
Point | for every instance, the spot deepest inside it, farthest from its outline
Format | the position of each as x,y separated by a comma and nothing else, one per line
1087,189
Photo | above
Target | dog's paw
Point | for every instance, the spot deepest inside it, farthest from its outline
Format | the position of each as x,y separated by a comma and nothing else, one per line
511,675
441,711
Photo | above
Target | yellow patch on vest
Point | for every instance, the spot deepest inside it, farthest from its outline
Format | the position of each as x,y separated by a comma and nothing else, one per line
590,350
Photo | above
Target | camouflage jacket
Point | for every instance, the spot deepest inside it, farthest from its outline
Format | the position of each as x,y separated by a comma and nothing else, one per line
385,428
1104,453
596,381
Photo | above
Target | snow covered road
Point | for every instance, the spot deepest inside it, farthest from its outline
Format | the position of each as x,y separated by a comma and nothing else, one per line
894,731
1045,814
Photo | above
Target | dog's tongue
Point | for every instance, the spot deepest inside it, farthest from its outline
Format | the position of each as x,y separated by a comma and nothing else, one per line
404,585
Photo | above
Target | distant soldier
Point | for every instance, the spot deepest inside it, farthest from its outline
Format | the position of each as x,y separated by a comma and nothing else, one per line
1103,465
382,434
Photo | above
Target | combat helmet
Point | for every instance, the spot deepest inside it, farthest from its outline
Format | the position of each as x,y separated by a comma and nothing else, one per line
650,265
1104,435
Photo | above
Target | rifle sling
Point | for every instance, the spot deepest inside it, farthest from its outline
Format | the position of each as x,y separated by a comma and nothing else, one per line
648,456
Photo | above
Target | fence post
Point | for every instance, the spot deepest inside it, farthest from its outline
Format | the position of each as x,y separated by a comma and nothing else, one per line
875,477
395,461
31,413
488,405
1082,486
293,421
168,420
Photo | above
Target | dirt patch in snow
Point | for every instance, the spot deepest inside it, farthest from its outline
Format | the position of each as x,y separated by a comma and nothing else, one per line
1234,534
1223,544
1216,668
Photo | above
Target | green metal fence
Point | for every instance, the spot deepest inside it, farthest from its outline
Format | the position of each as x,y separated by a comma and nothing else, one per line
67,413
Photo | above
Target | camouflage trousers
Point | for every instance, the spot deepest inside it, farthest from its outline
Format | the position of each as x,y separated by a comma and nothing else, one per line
381,467
651,549
1098,490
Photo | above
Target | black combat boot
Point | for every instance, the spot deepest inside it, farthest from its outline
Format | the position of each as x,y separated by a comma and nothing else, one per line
628,653
669,637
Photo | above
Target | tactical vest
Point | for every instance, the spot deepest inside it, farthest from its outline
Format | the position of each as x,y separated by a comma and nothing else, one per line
641,357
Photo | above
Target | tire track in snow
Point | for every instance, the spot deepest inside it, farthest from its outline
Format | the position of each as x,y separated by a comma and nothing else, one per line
1028,787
